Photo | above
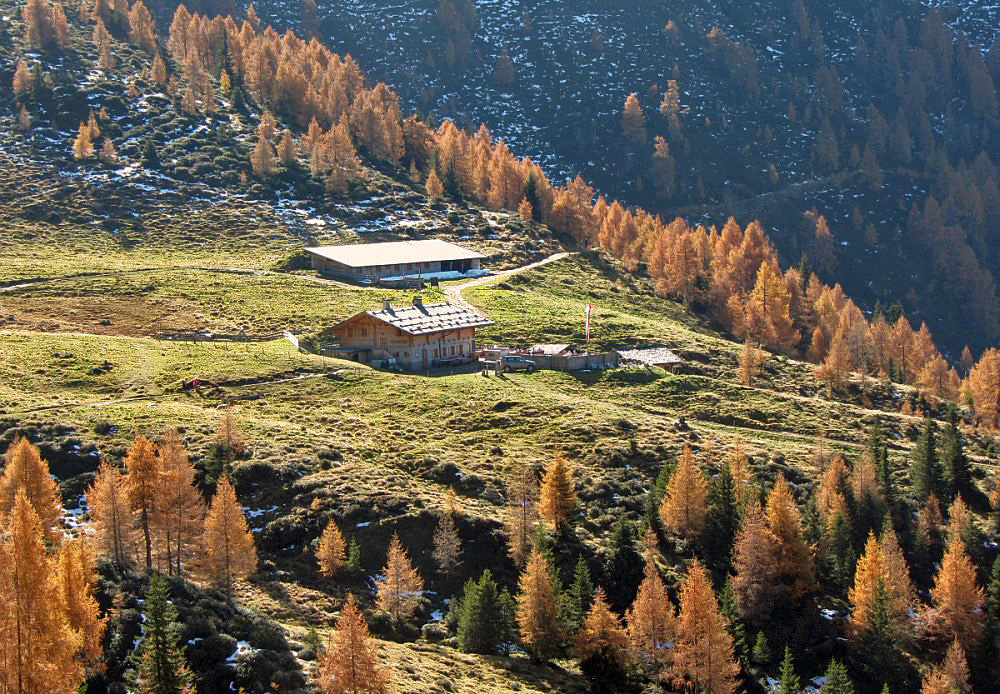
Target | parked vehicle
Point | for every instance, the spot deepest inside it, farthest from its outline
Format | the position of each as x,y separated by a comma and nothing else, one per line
518,364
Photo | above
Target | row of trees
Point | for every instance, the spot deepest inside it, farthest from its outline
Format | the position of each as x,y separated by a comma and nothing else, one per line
50,622
772,562
153,514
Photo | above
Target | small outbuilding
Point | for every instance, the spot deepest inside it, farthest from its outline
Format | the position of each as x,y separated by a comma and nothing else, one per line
652,356
396,260
418,337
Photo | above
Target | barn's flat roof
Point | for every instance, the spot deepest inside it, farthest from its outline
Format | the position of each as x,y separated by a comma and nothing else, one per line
394,252
428,318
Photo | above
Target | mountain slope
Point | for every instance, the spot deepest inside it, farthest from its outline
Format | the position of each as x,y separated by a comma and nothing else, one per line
107,257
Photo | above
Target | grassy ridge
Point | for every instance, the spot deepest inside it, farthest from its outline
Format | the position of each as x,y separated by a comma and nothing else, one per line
192,298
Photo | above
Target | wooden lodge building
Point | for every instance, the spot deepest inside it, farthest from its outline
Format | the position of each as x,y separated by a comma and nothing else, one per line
372,262
418,337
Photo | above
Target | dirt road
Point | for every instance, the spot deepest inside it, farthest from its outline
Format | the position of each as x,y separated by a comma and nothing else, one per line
454,292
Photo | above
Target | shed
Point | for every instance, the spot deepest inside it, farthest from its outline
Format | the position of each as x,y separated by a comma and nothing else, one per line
652,356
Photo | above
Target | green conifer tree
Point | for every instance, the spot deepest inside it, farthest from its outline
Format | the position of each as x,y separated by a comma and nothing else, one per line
840,556
788,682
761,649
158,665
542,542
925,471
991,616
878,647
508,621
451,184
730,610
722,522
837,680
580,595
354,555
654,498
531,193
623,565
954,463
479,616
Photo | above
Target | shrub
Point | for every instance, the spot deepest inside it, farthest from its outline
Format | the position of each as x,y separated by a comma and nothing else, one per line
104,428
212,649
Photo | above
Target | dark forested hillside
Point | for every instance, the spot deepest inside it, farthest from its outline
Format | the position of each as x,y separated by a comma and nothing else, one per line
880,117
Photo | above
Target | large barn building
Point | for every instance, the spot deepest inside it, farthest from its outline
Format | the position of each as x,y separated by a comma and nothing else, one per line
420,336
395,260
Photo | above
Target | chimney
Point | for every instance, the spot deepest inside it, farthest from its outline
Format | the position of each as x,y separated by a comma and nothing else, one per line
418,302
385,305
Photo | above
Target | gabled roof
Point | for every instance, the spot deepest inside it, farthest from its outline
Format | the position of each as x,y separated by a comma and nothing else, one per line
427,318
394,253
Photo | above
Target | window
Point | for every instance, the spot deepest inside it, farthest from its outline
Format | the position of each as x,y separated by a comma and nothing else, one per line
435,353
350,332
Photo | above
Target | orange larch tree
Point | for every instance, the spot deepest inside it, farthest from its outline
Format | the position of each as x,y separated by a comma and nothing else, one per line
26,471
703,648
521,515
400,587
754,555
331,553
111,514
349,664
601,633
142,28
634,120
229,552
794,560
262,158
683,507
558,499
447,542
951,676
875,571
76,581
537,608
23,79
831,497
287,154
767,312
179,510
650,621
984,383
434,187
957,597
836,367
39,647
141,486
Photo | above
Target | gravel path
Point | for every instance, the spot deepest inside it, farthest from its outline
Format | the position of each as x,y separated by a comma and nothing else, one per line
454,292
